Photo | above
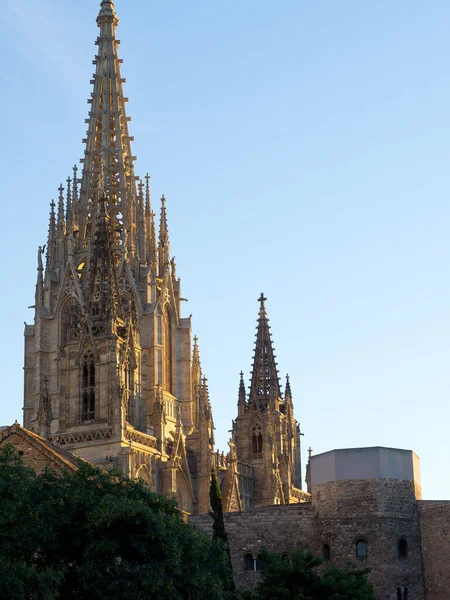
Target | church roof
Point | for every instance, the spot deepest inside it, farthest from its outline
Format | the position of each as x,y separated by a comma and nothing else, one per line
57,455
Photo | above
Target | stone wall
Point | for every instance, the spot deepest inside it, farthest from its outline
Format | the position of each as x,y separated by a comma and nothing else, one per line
277,528
435,531
36,452
381,512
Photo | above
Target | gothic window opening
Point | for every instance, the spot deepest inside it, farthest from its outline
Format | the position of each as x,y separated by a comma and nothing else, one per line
402,594
259,563
159,330
159,361
167,352
326,552
88,387
249,563
129,389
257,441
402,548
361,549
71,321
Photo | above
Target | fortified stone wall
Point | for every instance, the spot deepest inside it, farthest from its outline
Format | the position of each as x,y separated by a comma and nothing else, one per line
383,514
435,531
276,528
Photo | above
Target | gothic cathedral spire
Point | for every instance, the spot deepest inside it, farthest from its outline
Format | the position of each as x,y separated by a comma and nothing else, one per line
264,430
108,161
109,354
264,382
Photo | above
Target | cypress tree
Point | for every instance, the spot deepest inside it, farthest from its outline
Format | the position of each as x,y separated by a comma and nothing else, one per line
219,531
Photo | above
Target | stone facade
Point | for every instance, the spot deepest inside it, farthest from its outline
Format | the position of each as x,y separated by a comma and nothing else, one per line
435,533
111,370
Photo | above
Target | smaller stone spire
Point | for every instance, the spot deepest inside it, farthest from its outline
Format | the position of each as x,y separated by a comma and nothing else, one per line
39,301
51,241
141,237
196,380
242,396
205,404
61,219
75,199
164,244
287,392
153,252
147,222
69,205
195,353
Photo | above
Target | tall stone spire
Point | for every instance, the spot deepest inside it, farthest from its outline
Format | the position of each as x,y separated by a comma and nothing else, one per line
108,143
264,382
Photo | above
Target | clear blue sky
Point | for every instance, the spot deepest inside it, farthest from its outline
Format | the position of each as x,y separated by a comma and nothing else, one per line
304,148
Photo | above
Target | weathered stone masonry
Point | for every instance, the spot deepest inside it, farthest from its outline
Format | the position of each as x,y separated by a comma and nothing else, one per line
384,512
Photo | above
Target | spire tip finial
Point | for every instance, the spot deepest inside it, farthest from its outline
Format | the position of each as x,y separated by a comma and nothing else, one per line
262,309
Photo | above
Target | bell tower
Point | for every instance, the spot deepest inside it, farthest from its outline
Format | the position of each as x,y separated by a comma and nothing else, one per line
110,372
264,432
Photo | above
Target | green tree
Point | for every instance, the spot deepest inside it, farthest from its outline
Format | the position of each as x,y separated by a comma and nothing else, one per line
219,532
95,534
297,576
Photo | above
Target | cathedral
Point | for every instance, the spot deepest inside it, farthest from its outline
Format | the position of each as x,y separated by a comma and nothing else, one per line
113,376
112,373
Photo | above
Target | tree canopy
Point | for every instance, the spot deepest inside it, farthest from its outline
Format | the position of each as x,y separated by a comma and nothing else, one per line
96,534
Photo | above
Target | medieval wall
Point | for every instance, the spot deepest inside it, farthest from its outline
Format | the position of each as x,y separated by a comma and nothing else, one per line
383,514
276,528
435,532
376,503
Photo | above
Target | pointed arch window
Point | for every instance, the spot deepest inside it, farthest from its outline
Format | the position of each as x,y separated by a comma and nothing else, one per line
70,321
159,329
88,386
129,388
257,441
167,351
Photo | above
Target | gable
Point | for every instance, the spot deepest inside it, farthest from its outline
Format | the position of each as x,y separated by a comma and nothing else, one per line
37,453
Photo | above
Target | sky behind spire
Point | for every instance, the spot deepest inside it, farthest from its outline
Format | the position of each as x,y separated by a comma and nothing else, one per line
303,150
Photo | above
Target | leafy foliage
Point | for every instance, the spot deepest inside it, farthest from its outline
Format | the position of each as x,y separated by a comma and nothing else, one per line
219,531
95,534
297,577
